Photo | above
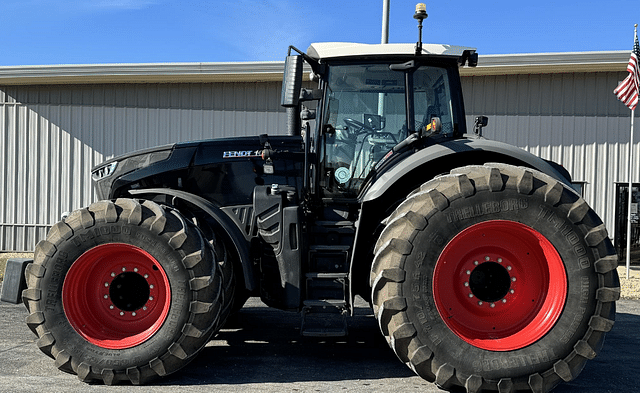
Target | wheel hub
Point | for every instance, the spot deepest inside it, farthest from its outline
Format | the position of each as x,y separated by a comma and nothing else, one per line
129,291
489,281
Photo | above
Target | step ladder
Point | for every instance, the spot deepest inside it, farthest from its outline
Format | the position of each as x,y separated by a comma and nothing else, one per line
325,309
325,316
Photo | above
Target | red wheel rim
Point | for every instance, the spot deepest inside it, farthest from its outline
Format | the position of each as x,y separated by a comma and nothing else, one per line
116,296
499,285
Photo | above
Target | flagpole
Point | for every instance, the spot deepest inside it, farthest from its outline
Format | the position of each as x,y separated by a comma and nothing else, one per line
627,92
630,194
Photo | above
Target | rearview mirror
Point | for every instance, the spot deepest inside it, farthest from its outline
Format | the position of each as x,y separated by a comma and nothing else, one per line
292,81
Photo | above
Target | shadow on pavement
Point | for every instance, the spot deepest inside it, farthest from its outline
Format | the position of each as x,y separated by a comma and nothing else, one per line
265,345
615,369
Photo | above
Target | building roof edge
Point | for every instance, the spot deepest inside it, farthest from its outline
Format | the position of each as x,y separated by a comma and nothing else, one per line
507,64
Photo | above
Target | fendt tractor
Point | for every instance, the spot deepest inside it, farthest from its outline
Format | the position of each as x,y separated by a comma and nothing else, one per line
485,270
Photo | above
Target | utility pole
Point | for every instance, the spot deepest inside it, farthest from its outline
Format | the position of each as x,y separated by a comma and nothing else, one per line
384,40
385,21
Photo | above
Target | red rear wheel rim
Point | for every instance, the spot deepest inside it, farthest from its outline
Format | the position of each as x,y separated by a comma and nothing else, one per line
116,296
499,285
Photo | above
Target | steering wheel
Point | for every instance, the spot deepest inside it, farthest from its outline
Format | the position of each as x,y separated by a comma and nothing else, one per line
356,125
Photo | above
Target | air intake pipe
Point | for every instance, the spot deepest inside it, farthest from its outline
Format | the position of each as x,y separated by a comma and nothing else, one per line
293,120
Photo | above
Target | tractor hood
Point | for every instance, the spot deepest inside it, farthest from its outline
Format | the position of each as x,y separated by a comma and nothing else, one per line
224,170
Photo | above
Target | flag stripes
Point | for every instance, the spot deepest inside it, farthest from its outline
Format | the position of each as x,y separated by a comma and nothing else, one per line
627,90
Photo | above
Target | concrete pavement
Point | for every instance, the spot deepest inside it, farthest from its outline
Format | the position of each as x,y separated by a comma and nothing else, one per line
262,351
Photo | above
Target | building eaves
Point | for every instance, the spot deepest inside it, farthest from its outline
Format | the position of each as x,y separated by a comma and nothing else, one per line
141,73
531,63
549,63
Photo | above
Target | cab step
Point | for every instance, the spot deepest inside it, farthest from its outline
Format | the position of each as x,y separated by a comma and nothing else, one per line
324,318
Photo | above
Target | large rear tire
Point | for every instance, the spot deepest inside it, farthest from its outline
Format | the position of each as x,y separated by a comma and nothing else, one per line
495,277
123,291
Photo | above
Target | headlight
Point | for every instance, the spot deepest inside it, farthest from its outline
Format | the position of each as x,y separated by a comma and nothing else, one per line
104,175
131,162
104,171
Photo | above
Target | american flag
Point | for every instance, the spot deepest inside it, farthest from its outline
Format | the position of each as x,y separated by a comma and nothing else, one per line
627,90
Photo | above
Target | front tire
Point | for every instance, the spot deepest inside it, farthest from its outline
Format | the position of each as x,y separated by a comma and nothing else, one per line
495,278
123,291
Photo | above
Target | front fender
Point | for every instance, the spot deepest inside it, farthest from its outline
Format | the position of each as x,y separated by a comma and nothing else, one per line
231,230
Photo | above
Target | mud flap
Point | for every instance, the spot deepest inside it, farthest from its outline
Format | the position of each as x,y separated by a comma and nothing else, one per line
14,280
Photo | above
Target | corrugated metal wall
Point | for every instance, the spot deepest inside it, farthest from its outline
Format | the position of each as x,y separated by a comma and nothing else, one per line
51,136
573,119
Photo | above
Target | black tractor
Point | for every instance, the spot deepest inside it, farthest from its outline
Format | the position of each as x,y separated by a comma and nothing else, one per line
484,268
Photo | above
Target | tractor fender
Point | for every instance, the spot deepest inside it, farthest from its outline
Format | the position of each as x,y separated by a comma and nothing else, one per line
230,229
460,147
421,166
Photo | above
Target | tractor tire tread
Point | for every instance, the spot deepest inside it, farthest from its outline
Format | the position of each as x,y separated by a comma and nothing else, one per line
395,243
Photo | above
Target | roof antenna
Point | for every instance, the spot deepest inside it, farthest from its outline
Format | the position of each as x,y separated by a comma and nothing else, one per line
420,15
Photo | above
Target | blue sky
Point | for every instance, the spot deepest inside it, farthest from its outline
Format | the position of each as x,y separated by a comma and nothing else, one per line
39,32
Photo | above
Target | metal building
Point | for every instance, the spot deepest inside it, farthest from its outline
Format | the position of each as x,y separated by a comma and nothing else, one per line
56,122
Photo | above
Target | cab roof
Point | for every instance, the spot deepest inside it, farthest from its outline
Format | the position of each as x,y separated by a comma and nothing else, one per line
332,50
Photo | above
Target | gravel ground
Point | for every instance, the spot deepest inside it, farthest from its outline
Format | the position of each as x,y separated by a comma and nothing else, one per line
629,287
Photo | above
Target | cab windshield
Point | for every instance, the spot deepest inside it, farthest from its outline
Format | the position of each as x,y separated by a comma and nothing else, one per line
366,115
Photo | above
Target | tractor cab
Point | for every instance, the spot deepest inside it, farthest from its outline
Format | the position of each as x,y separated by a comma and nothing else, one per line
376,101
